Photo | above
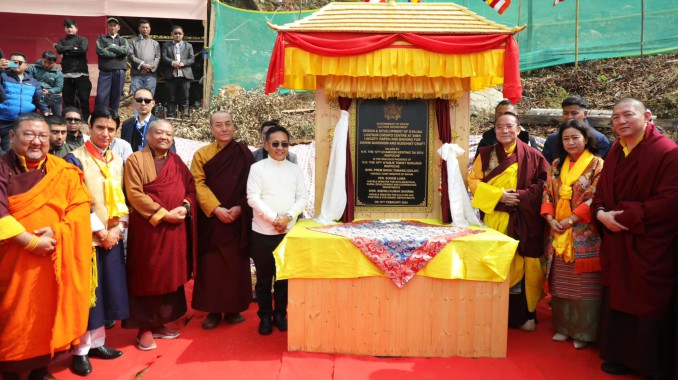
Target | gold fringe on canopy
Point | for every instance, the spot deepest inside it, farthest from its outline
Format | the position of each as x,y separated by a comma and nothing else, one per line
401,71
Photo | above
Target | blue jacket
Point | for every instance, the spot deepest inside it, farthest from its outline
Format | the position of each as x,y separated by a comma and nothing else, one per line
22,96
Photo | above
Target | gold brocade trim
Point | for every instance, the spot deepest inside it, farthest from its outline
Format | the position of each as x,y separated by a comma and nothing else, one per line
427,206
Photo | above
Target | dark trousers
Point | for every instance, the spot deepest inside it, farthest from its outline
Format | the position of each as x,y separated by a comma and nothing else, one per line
261,250
178,95
76,90
109,89
5,126
53,102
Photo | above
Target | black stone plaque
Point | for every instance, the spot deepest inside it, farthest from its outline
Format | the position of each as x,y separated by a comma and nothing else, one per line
392,153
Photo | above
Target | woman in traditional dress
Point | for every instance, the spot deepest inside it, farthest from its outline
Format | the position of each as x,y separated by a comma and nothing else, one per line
507,181
573,241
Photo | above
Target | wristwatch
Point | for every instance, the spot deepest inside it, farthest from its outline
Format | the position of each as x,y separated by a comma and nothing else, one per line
289,216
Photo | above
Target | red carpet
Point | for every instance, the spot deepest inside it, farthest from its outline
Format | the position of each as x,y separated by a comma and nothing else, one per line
238,352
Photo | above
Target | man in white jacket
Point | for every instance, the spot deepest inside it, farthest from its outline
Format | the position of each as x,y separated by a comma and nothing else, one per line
277,194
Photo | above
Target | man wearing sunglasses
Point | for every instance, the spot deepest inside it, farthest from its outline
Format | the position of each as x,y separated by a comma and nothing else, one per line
74,124
134,129
261,153
277,194
22,93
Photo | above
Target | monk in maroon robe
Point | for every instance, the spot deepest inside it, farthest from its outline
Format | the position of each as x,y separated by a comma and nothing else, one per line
161,191
519,171
223,282
636,205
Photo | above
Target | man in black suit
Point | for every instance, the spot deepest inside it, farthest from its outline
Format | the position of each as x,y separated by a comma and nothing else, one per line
134,129
176,59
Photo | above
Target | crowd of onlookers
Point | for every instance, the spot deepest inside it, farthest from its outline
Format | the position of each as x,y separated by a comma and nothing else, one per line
42,85
595,220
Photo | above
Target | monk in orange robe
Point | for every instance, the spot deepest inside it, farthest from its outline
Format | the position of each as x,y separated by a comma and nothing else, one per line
45,252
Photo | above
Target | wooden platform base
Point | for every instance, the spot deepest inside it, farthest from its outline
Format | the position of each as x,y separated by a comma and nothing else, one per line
371,316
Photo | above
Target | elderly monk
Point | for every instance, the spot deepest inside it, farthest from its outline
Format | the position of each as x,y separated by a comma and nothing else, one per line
161,191
223,282
507,181
45,252
636,202
103,178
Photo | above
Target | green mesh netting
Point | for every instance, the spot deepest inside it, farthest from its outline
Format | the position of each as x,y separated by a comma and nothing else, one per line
243,42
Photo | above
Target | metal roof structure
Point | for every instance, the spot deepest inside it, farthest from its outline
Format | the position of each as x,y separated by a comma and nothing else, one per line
426,18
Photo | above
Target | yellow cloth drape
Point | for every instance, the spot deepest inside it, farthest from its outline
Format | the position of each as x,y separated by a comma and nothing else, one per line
115,199
311,254
562,243
382,73
487,196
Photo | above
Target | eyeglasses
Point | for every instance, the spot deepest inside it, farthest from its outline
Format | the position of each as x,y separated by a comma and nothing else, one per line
143,100
73,120
276,144
18,62
30,136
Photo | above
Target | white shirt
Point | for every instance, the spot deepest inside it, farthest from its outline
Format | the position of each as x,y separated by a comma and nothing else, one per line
275,188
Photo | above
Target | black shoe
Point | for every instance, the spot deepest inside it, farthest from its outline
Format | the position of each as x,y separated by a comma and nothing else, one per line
616,369
40,374
265,326
81,365
104,352
234,318
211,321
280,322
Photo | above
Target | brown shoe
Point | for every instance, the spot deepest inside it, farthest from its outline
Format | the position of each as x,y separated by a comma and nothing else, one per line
211,321
234,318
163,332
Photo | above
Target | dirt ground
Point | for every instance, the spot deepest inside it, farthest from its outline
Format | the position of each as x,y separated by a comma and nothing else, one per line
653,80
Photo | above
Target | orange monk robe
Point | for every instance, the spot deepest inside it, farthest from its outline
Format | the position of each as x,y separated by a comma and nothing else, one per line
44,301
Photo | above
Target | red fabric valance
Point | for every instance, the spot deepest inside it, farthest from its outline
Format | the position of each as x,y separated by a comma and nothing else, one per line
343,44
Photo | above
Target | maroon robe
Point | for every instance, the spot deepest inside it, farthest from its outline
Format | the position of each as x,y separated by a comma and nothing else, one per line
160,259
525,223
223,281
639,265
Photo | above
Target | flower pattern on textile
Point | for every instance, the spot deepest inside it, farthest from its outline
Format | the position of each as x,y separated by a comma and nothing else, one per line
399,248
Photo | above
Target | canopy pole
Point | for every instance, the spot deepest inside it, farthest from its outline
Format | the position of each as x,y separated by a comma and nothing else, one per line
576,38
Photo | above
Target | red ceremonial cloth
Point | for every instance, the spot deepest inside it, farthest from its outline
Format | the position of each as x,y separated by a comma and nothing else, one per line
639,265
160,258
343,44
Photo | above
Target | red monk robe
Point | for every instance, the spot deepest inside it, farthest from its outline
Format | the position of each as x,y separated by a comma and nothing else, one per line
44,301
160,254
639,265
223,281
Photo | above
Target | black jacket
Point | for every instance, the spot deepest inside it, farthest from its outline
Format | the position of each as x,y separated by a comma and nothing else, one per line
74,51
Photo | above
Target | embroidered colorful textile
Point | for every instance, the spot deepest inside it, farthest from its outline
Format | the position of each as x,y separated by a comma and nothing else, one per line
399,248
